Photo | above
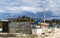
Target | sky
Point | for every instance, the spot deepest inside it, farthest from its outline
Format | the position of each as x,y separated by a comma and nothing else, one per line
31,8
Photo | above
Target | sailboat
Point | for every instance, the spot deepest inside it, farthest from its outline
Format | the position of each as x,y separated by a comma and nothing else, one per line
39,27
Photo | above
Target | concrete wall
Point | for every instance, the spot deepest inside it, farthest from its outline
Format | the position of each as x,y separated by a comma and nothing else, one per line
23,27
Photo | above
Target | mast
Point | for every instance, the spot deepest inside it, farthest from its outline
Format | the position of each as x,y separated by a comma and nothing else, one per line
44,15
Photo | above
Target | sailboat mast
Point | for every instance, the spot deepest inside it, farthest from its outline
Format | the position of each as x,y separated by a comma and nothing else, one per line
44,15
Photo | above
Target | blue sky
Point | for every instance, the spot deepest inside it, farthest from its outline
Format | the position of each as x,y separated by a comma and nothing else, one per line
31,8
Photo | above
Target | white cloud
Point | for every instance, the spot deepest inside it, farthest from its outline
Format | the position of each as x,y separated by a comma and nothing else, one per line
32,9
17,6
1,11
55,7
26,5
25,8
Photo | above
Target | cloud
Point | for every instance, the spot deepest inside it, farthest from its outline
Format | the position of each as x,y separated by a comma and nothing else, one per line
55,7
2,11
25,8
33,6
22,5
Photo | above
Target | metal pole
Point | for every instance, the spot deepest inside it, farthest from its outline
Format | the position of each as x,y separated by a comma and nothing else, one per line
44,15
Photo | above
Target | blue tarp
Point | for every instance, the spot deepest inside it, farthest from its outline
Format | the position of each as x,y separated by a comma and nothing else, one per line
37,21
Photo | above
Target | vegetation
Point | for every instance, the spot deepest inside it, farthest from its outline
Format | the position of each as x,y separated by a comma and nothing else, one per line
53,21
22,19
31,20
0,24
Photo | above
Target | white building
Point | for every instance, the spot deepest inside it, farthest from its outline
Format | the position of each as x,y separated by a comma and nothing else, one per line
36,31
40,28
